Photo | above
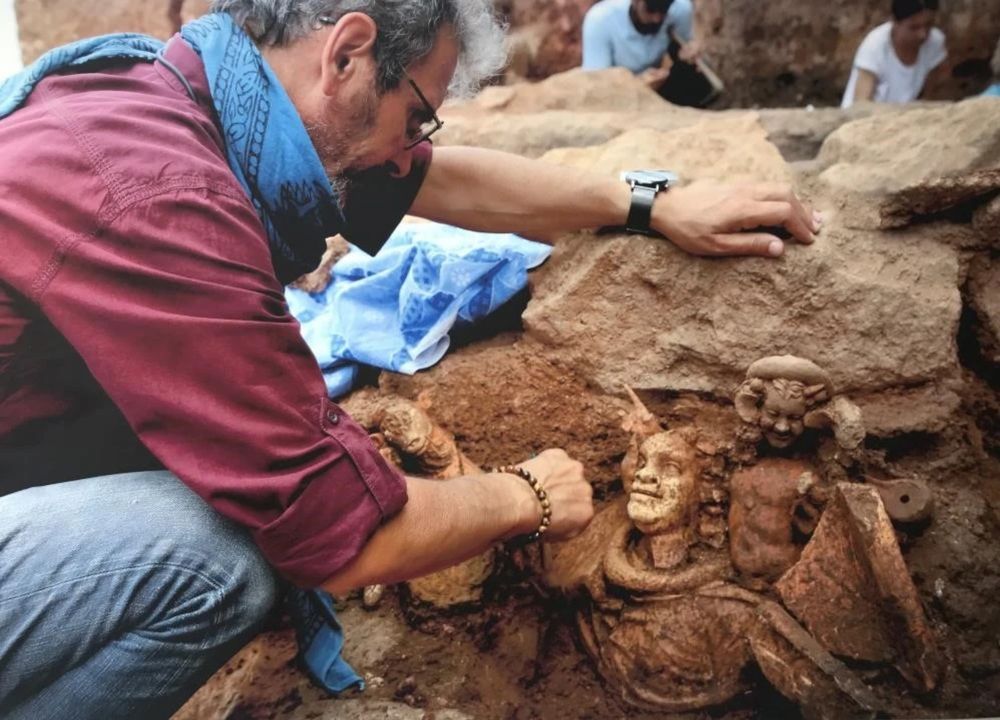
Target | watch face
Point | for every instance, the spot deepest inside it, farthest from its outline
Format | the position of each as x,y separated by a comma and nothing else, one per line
650,178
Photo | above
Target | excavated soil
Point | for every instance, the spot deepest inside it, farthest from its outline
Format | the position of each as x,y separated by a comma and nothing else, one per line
518,658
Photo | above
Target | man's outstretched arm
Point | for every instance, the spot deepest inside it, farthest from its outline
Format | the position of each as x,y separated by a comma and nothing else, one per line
448,521
493,191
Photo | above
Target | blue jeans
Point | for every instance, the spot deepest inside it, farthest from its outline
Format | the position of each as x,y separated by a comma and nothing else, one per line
120,596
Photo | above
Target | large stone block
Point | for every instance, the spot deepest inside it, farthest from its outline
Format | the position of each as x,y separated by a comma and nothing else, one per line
730,148
876,314
984,292
879,313
890,168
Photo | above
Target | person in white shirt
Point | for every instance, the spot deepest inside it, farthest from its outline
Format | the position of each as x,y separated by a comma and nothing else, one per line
894,60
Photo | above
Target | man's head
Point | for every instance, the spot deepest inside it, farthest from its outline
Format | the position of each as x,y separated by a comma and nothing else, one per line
913,21
648,15
367,75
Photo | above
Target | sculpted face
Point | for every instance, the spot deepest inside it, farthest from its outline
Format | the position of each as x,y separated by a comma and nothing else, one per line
781,416
663,492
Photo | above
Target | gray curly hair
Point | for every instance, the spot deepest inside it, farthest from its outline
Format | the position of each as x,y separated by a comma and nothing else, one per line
407,30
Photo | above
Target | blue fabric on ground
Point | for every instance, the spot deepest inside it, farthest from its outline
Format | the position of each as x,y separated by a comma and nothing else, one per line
394,311
321,640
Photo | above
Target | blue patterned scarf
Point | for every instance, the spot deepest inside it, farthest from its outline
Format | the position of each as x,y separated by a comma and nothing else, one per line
267,145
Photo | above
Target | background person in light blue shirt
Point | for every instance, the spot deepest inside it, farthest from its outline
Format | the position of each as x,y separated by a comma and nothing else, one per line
633,33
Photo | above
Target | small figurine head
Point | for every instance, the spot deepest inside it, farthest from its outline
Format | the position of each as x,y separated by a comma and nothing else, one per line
782,414
778,395
664,493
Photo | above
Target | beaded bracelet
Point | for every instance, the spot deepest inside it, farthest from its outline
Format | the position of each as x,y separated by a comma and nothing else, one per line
543,498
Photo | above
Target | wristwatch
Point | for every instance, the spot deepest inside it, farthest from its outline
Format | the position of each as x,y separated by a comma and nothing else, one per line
645,185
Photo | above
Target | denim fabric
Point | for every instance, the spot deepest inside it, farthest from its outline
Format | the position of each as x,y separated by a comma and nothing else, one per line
119,596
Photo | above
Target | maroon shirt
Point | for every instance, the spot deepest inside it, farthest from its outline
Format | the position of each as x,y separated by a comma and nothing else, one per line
142,324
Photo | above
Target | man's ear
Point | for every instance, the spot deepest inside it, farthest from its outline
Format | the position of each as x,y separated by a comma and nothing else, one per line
350,43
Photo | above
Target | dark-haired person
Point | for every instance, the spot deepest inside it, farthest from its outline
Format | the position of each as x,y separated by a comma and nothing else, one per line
636,34
894,60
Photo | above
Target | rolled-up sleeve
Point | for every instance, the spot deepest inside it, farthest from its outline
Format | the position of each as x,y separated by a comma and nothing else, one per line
174,307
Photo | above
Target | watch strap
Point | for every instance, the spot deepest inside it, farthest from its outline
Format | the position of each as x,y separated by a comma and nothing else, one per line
640,212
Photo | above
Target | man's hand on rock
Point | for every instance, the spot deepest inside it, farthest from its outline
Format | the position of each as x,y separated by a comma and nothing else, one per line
709,218
567,489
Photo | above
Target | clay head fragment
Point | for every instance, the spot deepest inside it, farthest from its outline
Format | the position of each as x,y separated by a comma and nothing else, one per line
664,490
663,496
778,394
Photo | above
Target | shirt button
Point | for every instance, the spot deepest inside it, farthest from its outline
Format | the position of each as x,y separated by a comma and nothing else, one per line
332,417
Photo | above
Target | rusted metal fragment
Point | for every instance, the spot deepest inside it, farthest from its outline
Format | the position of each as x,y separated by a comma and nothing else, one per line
853,592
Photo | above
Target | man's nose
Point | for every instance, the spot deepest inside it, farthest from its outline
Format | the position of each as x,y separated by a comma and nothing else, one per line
400,165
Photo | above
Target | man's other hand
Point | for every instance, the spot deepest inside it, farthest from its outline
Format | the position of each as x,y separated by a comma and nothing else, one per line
709,218
567,489
690,52
654,77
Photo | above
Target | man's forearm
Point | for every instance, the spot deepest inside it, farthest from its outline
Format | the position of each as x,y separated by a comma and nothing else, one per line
493,191
444,522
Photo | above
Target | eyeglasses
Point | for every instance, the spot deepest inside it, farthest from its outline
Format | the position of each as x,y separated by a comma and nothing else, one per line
427,127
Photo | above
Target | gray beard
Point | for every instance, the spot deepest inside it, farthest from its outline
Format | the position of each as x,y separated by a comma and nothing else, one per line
336,146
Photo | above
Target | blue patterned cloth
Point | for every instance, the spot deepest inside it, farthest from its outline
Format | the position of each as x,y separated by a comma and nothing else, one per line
394,311
267,146
270,153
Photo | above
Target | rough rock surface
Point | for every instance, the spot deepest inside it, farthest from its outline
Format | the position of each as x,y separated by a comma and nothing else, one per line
986,221
894,167
984,286
612,90
576,109
573,109
732,148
